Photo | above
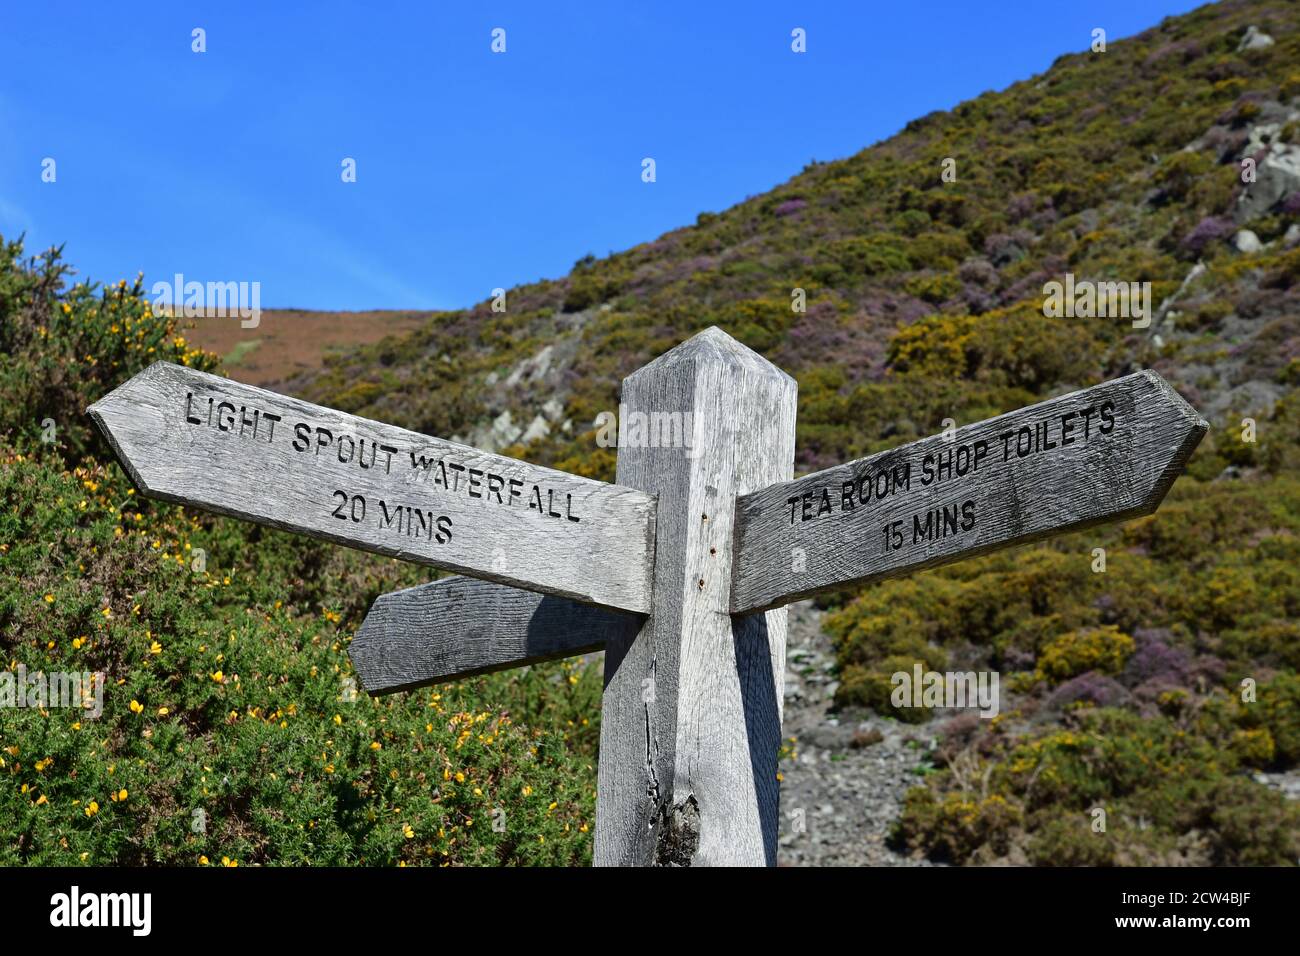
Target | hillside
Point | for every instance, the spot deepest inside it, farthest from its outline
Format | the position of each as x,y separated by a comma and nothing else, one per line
288,342
924,301
1123,165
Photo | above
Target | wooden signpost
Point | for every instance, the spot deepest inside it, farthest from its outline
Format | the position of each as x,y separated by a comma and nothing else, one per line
1102,454
202,440
680,571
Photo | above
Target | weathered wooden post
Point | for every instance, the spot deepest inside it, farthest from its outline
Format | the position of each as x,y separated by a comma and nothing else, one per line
691,720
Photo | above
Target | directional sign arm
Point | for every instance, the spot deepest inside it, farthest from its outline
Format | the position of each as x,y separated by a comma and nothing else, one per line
202,440
1106,453
459,627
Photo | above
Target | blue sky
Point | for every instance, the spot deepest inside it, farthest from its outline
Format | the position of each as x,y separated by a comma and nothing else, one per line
474,169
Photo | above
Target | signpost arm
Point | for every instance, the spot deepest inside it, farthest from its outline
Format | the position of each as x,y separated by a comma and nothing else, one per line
459,627
691,719
1106,453
209,442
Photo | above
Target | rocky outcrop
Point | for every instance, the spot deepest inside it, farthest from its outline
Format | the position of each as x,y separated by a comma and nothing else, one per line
1277,176
1254,39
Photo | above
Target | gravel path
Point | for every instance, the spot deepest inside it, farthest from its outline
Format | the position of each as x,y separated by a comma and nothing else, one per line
845,792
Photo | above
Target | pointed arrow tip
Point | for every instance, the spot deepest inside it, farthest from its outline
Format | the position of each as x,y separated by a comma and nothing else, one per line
1193,418
111,413
1194,428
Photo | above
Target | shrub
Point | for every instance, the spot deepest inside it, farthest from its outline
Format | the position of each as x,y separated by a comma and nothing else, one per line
1068,839
911,222
62,346
934,289
1017,348
1208,231
874,688
939,250
1180,171
1088,688
1102,649
225,705
1169,796
953,826
1153,659
1275,712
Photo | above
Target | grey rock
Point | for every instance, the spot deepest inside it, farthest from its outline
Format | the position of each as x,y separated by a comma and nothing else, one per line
503,429
1287,783
1261,135
1254,39
1276,177
537,428
531,369
1247,242
501,432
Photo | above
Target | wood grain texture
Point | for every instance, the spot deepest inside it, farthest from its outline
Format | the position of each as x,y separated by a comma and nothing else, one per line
1105,453
692,709
278,461
459,627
